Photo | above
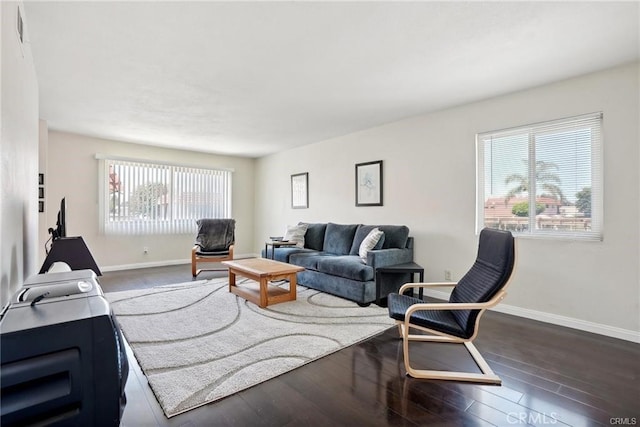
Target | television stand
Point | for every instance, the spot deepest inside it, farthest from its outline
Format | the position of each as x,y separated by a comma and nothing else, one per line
74,252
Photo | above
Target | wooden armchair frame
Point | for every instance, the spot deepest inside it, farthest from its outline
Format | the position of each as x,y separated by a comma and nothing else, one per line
487,376
196,258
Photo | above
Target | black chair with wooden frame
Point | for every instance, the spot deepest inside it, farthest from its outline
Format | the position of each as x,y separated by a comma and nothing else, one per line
457,321
214,243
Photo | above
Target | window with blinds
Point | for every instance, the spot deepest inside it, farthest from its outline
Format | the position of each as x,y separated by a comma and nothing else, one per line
543,179
148,198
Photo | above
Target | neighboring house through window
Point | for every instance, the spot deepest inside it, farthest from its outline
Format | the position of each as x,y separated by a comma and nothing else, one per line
140,197
543,179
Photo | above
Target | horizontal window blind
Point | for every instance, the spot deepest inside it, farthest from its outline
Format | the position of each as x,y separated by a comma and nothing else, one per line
146,198
543,179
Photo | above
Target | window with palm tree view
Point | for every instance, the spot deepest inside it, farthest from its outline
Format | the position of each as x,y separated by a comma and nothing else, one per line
543,179
154,198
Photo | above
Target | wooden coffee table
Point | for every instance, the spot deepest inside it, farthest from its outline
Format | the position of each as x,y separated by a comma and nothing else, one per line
263,271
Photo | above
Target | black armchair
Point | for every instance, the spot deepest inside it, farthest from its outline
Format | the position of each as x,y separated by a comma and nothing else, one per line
458,320
214,243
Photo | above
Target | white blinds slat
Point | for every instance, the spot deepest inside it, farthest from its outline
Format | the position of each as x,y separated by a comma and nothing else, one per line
160,198
549,172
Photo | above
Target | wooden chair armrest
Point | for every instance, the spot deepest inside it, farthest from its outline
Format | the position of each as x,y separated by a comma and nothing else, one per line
426,285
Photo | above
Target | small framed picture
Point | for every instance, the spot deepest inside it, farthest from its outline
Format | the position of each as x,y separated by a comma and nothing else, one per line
40,179
369,183
41,206
300,191
40,192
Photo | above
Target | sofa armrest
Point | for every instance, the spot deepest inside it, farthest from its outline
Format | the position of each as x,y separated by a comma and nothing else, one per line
385,257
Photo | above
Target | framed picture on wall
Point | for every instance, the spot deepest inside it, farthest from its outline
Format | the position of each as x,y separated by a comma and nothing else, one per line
369,183
40,192
41,206
300,191
40,179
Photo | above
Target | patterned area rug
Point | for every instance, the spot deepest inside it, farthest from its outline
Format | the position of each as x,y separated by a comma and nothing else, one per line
198,343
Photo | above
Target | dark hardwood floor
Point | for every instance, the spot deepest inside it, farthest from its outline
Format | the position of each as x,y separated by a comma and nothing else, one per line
551,376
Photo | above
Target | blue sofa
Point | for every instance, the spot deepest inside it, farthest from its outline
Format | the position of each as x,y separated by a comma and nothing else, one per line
332,265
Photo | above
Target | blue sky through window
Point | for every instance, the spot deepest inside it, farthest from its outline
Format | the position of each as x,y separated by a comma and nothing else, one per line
569,150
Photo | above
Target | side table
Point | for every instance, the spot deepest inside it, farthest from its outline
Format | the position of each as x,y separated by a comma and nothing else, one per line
275,244
408,267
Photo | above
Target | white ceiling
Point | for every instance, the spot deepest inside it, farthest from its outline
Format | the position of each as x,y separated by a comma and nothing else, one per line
250,79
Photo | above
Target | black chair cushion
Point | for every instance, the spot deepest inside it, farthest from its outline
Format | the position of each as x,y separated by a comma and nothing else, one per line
489,274
439,320
202,253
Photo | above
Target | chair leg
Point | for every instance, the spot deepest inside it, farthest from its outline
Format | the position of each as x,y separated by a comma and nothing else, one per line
486,377
194,273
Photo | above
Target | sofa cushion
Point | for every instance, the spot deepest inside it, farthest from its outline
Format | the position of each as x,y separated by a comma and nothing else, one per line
338,238
284,253
314,238
308,260
295,233
347,266
361,233
395,236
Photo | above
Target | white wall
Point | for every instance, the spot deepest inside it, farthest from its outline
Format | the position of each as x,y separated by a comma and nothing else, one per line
18,156
429,185
73,173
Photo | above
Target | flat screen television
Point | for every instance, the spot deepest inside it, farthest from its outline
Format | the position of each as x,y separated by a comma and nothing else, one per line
61,224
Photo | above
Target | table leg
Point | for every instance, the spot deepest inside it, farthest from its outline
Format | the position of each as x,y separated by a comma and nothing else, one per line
264,283
293,287
273,251
232,279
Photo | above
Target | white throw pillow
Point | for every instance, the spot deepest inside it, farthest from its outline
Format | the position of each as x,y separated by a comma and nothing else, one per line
295,233
369,243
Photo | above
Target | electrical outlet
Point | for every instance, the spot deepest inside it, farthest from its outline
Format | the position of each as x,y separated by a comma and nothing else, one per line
447,275
145,249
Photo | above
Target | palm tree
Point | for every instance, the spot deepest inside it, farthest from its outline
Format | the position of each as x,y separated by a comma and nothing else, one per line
583,202
545,178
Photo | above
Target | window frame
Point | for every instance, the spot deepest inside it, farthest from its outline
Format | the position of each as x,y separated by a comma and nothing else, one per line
171,225
595,121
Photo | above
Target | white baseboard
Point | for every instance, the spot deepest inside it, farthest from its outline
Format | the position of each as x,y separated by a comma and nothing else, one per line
556,319
145,265
160,263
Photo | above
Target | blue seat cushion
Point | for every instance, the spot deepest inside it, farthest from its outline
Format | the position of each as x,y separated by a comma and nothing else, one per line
308,260
347,266
283,254
439,320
